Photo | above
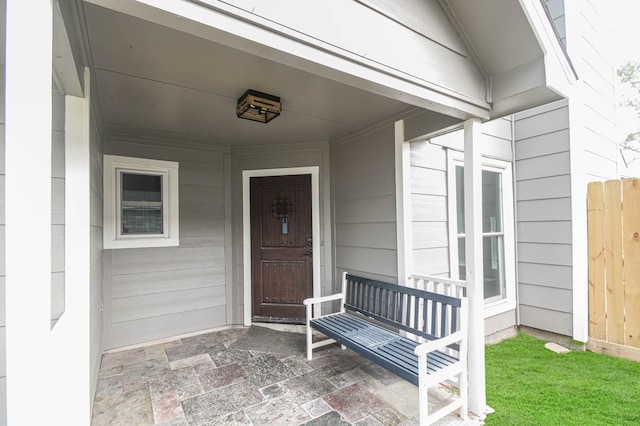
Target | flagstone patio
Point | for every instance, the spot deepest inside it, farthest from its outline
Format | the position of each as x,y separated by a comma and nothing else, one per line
199,380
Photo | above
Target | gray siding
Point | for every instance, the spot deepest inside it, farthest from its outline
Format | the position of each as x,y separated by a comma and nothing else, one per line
445,61
429,191
364,205
3,346
543,202
272,158
57,207
152,293
95,330
556,9
429,203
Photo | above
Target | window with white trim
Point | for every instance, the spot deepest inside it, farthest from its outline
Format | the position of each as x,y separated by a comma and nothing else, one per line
140,202
497,230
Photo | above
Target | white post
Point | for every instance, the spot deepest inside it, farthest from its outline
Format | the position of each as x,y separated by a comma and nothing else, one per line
72,344
403,205
473,255
28,209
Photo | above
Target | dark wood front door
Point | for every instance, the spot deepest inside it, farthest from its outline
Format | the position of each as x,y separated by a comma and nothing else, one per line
281,247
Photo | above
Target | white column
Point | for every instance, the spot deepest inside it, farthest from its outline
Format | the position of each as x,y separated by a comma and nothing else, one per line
28,208
473,255
71,337
403,205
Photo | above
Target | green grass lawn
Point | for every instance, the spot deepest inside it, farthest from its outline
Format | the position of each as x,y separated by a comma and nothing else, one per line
530,385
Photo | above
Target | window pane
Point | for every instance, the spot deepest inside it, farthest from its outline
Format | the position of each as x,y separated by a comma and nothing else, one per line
141,220
493,266
139,187
462,265
460,198
491,201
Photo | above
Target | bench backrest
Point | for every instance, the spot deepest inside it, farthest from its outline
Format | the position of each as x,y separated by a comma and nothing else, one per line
419,312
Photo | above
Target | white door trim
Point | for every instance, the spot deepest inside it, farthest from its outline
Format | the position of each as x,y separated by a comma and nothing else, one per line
314,171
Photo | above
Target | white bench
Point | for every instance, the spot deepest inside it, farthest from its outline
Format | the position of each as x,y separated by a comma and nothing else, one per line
386,324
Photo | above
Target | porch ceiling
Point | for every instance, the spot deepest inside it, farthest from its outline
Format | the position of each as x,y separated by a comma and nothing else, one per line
158,82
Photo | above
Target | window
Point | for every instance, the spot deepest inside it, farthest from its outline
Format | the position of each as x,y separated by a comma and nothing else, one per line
140,202
497,231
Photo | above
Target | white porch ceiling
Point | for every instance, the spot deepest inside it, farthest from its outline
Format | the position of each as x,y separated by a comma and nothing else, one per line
154,81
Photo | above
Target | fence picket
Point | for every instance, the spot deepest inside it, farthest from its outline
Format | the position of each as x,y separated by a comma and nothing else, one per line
613,261
597,301
631,233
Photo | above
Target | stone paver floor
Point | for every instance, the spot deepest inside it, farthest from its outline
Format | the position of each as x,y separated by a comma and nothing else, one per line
200,381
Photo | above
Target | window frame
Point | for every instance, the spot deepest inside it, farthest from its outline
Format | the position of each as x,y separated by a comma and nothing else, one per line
114,167
455,158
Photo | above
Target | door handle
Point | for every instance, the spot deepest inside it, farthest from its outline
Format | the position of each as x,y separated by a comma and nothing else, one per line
309,253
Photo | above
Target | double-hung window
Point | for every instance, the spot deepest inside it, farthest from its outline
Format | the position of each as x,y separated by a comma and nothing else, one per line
140,202
497,231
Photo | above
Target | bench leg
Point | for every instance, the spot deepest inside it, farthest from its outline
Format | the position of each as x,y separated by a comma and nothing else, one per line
464,410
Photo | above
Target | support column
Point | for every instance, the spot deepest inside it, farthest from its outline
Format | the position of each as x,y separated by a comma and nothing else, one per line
28,208
71,337
473,255
403,205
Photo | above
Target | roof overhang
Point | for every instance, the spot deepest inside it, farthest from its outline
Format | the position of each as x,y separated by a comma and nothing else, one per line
516,46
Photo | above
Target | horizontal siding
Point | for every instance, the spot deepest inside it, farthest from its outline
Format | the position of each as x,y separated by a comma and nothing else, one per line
444,59
95,269
3,320
429,225
57,206
545,232
130,332
546,319
153,293
429,186
363,187
500,322
544,218
545,275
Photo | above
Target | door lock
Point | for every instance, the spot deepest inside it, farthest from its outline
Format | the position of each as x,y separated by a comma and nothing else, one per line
309,252
310,241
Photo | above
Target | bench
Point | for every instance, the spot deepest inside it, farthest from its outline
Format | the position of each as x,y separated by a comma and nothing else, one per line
418,335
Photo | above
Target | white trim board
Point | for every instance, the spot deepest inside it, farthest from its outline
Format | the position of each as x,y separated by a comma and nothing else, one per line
314,171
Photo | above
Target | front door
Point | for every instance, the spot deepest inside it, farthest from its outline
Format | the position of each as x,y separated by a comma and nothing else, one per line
281,247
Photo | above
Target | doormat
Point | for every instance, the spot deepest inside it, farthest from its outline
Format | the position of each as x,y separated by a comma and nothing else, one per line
264,339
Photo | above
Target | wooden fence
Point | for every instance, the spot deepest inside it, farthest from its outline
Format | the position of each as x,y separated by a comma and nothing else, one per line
613,215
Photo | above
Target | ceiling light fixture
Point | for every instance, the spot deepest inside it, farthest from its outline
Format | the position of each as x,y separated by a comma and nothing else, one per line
258,106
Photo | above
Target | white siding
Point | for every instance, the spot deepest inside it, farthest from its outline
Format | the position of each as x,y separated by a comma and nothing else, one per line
543,191
363,188
150,293
590,45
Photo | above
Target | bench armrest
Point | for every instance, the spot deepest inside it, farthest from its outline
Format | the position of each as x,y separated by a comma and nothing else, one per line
314,300
433,345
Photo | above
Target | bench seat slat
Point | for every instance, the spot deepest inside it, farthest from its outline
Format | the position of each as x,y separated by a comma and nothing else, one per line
383,347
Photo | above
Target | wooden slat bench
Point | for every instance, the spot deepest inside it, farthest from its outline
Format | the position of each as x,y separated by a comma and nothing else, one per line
382,322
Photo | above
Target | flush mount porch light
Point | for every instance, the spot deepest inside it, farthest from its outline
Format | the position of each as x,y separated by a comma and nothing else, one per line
258,106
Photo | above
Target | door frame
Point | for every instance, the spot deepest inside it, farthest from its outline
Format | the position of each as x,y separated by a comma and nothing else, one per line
314,171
